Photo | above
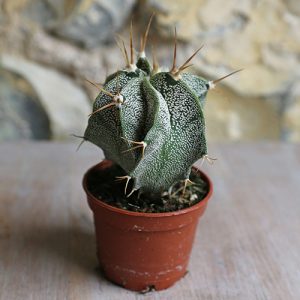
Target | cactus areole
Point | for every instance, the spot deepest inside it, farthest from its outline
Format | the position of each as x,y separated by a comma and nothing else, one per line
151,122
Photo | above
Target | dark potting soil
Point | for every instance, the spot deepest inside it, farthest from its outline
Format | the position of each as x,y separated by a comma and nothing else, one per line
104,186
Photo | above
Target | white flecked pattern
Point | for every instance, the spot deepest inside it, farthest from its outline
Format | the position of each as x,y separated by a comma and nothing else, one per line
164,113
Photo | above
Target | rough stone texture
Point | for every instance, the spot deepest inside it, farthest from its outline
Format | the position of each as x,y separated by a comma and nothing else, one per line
93,22
41,12
85,22
92,64
263,37
64,56
66,105
231,117
21,114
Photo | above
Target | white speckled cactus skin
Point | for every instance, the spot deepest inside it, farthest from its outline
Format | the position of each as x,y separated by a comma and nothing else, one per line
151,123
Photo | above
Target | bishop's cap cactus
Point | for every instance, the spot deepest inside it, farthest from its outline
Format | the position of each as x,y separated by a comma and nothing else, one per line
151,122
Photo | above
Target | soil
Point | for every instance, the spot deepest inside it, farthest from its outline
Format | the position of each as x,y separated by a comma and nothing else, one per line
104,186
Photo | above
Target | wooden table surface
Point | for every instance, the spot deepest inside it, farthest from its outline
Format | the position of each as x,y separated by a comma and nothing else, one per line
247,245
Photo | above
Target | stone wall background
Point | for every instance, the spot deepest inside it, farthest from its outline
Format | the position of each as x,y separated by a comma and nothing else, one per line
49,47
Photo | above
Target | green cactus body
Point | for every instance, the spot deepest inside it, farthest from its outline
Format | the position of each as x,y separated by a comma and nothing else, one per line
143,64
160,113
198,85
185,143
147,174
106,128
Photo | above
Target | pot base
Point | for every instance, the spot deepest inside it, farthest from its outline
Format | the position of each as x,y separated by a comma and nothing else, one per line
142,284
144,281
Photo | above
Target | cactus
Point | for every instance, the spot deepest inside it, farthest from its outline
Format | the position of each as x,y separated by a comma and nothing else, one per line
151,122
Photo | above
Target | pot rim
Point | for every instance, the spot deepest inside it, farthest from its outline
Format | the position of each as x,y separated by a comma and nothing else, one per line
100,203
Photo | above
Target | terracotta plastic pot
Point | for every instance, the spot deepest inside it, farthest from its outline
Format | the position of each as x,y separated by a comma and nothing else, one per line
143,250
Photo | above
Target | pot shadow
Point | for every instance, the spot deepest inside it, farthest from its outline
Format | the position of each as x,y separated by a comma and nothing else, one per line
69,249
